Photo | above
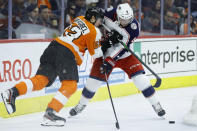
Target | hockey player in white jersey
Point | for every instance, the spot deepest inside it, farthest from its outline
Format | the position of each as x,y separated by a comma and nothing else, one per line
121,20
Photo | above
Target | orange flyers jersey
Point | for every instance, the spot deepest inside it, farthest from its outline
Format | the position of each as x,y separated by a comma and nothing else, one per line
80,36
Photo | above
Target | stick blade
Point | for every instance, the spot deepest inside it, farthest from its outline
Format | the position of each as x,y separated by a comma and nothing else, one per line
158,82
117,125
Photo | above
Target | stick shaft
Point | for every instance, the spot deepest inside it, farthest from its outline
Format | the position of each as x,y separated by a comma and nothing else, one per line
117,123
158,82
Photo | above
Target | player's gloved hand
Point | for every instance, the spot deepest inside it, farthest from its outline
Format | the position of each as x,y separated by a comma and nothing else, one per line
107,65
105,45
115,37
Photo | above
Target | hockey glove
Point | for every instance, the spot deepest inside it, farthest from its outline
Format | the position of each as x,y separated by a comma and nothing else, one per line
115,37
105,45
107,65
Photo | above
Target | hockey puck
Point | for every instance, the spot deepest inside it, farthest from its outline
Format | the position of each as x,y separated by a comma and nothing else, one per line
171,122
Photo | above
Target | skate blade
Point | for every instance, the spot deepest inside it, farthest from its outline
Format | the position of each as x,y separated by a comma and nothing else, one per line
7,106
47,122
49,125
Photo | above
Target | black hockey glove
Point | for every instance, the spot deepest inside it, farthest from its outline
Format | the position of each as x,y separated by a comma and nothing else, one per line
111,38
107,65
105,45
115,37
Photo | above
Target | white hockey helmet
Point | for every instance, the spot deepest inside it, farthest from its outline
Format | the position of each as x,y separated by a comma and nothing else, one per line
124,14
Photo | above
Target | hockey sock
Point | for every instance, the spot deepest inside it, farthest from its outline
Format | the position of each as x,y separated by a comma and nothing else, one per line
86,93
86,96
61,97
37,82
149,93
143,84
152,99
89,90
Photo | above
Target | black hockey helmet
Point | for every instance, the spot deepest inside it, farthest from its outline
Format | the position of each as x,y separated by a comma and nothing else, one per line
94,11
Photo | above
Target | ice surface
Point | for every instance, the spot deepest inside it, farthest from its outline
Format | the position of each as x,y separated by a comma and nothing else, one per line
134,114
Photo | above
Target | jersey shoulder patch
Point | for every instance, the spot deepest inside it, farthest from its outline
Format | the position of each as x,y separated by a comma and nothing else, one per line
133,26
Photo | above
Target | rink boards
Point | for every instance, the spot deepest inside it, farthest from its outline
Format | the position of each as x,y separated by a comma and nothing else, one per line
173,58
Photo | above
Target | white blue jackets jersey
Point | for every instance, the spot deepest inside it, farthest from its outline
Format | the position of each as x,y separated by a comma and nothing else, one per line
129,33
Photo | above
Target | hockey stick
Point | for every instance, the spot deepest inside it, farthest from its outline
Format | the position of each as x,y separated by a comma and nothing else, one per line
158,79
117,123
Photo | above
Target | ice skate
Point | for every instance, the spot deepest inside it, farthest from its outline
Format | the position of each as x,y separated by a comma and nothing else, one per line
159,110
51,119
77,109
9,97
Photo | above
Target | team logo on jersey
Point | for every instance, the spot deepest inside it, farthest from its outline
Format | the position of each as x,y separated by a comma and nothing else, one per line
133,26
96,44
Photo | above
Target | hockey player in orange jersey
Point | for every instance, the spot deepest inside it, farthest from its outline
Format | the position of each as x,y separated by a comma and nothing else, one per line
60,59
